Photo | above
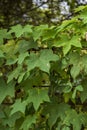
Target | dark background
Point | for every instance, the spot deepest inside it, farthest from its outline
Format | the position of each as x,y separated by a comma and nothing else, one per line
35,11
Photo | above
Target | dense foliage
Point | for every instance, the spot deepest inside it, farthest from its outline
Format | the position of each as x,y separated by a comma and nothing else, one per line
43,76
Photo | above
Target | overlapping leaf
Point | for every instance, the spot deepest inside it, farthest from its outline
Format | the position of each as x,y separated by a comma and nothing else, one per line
75,119
6,89
56,111
29,120
41,60
38,96
79,64
19,30
19,106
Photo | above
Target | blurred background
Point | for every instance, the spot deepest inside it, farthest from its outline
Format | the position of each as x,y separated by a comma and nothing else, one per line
36,12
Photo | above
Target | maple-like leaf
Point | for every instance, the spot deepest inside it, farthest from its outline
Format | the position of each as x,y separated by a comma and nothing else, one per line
6,89
55,111
19,106
79,63
38,96
77,120
19,30
29,120
41,60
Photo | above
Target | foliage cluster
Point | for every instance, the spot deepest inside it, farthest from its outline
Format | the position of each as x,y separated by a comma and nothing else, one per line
43,76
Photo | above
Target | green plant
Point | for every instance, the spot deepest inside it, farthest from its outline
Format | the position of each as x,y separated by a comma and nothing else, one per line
43,76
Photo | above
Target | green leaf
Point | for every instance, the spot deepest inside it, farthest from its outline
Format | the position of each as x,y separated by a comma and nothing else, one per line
38,31
77,88
22,56
19,30
67,42
83,14
84,63
49,34
3,34
80,8
29,120
65,24
18,73
84,92
72,117
38,96
9,47
74,41
27,28
6,89
76,61
56,111
11,60
1,54
18,106
66,48
41,60
75,70
79,63
63,128
21,76
23,45
67,87
61,41
10,120
14,74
